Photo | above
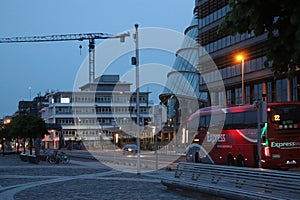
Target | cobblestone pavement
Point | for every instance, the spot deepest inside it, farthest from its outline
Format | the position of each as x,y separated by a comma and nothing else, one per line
80,179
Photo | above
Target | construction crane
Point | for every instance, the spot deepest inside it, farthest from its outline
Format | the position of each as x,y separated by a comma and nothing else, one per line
91,37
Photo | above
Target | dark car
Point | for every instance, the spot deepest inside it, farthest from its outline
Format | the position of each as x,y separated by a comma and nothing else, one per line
130,149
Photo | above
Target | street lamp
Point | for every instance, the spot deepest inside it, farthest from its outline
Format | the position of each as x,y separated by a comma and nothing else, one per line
241,58
114,122
135,61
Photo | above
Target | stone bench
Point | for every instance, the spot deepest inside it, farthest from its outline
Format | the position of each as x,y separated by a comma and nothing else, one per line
235,182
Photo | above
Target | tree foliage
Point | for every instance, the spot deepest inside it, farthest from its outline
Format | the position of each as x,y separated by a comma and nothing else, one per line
4,133
27,126
280,20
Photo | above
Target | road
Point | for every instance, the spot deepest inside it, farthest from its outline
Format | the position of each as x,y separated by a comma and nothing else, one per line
116,159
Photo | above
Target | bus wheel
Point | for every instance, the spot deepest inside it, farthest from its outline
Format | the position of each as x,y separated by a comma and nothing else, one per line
230,160
241,161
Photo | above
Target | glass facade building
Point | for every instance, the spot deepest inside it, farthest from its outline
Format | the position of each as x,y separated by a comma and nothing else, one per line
190,70
181,94
259,81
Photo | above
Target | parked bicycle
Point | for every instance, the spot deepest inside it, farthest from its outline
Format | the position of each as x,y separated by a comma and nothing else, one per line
57,157
64,158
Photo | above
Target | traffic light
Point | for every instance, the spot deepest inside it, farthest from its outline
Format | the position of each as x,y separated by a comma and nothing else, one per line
133,60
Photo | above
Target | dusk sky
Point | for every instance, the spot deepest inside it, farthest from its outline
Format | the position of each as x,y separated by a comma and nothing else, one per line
31,68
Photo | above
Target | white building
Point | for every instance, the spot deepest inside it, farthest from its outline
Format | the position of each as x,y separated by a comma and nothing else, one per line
99,110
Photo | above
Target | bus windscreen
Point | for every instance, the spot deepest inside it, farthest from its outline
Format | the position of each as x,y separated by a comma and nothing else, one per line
285,115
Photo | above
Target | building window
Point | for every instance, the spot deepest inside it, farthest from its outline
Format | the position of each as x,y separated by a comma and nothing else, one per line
257,91
230,95
281,90
238,95
214,98
248,94
270,92
295,88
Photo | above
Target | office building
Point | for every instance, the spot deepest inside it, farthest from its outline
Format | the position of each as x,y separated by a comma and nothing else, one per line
97,112
218,76
259,81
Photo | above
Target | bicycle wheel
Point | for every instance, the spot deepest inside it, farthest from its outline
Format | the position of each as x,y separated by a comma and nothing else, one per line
66,160
51,159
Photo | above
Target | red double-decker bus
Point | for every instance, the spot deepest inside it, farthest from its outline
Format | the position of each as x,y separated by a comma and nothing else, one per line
233,135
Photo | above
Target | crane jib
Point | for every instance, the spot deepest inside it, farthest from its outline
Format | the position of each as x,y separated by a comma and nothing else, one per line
65,37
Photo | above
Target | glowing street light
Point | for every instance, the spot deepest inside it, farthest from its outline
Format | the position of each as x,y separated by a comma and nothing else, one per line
241,58
7,121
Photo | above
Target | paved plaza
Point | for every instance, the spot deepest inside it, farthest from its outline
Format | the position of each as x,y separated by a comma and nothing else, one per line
80,179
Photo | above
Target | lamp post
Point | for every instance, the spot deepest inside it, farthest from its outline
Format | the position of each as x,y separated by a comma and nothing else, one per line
159,131
135,61
241,58
114,134
259,120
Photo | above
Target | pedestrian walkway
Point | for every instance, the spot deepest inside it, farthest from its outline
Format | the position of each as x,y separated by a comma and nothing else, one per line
79,180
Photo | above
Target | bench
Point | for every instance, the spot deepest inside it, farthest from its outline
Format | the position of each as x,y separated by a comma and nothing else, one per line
235,182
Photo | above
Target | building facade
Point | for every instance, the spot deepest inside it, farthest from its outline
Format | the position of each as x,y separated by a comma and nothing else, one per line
97,112
32,107
214,73
259,81
182,95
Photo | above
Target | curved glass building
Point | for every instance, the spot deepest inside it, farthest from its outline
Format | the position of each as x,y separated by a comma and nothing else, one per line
181,94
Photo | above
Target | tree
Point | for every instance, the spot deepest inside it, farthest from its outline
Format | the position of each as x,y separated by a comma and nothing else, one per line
28,126
3,136
280,20
4,131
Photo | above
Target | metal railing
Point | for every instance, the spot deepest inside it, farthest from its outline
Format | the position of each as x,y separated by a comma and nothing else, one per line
235,182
